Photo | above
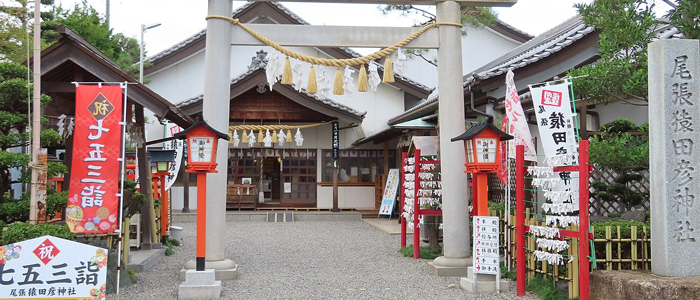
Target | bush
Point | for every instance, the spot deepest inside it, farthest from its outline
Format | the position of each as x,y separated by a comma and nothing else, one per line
625,228
56,201
424,252
544,288
15,210
20,231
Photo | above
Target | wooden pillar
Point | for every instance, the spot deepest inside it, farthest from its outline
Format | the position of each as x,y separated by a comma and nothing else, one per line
186,183
144,170
583,113
386,162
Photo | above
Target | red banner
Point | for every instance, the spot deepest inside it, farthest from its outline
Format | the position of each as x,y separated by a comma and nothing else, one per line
503,169
93,204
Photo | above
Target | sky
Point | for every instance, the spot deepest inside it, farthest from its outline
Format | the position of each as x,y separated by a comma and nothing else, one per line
182,18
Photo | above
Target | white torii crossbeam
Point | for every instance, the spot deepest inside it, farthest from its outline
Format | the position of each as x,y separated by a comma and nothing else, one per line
448,41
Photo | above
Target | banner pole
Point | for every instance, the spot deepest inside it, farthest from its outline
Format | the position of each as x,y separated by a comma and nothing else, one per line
122,171
520,218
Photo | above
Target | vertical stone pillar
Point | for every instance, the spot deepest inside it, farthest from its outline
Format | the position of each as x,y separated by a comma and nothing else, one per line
455,208
674,128
215,111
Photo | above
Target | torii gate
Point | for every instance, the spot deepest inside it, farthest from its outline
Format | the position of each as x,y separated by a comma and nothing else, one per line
448,41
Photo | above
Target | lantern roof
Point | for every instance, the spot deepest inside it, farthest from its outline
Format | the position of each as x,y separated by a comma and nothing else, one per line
181,135
478,128
156,155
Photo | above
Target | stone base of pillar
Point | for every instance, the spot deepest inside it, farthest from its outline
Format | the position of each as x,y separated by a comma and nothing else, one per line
199,285
224,269
151,246
444,266
485,283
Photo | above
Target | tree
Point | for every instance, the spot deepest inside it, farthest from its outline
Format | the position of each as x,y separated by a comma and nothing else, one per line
686,16
86,21
626,28
16,41
623,148
14,121
476,17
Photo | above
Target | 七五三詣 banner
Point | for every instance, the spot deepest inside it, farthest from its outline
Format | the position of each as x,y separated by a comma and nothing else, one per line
93,204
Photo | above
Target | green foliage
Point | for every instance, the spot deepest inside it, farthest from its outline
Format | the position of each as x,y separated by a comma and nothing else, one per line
625,154
621,72
685,17
512,274
424,252
14,210
614,215
14,122
20,231
56,201
132,275
625,228
17,210
133,199
55,169
169,244
86,21
15,29
497,207
544,288
172,242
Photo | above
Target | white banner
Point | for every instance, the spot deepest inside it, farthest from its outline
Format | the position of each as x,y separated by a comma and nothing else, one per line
170,130
518,126
52,268
555,121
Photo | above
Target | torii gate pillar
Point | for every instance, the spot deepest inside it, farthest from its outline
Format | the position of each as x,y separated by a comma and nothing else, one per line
455,206
215,111
456,233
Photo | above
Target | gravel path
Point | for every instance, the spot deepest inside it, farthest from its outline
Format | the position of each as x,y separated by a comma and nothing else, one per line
308,260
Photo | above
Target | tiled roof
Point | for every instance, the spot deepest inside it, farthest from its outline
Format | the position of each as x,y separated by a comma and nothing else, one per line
295,17
261,67
544,45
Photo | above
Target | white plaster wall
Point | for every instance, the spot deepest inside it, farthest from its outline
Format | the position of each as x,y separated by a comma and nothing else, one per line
479,47
612,111
348,197
185,80
180,81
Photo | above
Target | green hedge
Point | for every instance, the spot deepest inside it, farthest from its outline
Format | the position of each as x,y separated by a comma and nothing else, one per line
625,228
20,231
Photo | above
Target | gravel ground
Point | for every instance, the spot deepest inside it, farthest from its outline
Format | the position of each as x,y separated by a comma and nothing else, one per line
309,260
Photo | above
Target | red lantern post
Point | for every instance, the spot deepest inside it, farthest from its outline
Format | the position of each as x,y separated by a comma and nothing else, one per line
483,156
201,159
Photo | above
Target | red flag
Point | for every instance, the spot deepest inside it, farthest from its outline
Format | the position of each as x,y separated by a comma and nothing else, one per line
93,204
502,172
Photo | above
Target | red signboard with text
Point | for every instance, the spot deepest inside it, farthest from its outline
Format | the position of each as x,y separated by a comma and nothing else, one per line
93,204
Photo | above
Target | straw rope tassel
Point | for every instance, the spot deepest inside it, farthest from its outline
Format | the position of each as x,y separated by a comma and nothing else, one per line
261,136
338,83
311,86
289,135
362,81
388,70
244,138
274,136
287,74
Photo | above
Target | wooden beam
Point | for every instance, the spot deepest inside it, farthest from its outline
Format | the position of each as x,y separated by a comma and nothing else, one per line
503,3
334,36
